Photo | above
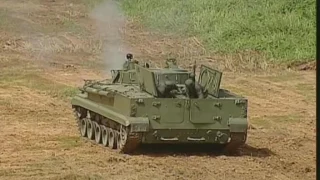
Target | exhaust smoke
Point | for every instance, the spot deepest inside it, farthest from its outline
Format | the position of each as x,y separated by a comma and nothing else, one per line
110,22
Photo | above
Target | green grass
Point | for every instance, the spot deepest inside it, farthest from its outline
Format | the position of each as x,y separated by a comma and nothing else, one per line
307,90
70,25
39,83
76,176
7,22
69,142
288,76
18,25
3,17
281,30
268,122
90,4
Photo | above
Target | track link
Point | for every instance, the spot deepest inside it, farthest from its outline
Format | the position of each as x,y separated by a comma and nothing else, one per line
118,137
237,140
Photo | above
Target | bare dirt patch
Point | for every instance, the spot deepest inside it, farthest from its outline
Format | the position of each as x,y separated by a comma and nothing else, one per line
304,66
38,73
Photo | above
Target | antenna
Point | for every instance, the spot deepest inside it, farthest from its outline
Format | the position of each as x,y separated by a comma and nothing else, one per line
194,68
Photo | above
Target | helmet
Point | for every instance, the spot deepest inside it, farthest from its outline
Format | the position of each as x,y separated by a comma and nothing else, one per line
129,56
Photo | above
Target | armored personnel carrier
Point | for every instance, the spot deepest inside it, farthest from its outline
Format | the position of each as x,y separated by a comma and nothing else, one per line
145,105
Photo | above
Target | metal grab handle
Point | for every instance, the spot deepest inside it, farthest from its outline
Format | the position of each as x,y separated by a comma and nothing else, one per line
196,139
169,139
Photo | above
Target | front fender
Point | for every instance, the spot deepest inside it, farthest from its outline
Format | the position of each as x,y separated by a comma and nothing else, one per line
139,124
238,125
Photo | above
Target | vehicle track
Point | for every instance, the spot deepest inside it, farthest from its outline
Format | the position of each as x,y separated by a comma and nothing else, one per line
115,136
105,131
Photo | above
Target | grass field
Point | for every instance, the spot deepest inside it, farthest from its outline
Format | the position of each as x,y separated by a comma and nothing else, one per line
279,30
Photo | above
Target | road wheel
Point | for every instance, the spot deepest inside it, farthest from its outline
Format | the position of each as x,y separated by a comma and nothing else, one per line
83,127
97,132
90,129
111,139
104,135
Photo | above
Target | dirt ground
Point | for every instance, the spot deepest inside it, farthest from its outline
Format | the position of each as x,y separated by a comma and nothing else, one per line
48,47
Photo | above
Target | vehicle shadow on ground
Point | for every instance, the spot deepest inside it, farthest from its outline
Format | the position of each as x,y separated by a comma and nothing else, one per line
200,150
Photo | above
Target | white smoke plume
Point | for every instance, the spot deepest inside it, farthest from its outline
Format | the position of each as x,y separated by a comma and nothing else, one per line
110,21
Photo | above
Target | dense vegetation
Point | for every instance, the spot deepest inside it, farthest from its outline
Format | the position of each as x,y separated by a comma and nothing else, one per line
283,30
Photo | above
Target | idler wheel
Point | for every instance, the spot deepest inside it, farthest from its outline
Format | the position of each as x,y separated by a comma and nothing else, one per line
104,135
116,135
122,138
83,127
97,132
111,138
77,112
90,129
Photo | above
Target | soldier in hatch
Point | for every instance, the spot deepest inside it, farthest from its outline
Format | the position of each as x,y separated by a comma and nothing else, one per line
194,89
129,64
171,63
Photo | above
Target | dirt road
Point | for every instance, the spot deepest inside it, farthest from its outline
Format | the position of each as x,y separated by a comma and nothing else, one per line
47,48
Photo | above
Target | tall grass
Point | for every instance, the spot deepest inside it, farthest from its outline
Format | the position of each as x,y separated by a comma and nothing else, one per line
282,30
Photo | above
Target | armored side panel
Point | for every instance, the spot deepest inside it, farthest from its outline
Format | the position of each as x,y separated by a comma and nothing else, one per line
124,76
210,79
146,80
110,101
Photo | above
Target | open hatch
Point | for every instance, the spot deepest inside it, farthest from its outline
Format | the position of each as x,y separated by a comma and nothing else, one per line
210,80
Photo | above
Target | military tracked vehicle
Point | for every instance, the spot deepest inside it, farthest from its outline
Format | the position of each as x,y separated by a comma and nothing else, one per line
146,105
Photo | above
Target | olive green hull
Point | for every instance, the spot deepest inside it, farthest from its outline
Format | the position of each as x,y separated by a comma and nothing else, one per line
143,105
173,120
